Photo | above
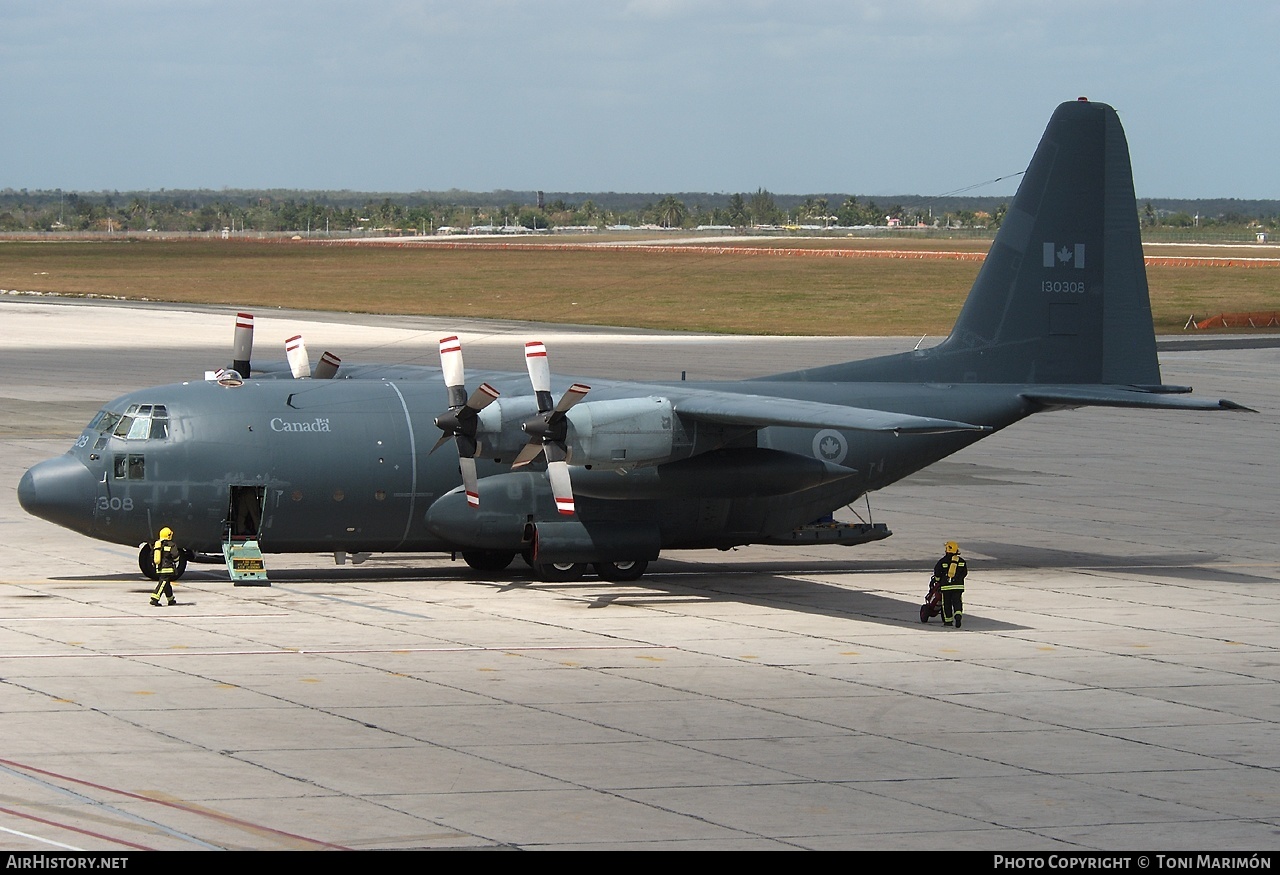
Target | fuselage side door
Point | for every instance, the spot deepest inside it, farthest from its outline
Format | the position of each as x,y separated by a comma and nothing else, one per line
244,512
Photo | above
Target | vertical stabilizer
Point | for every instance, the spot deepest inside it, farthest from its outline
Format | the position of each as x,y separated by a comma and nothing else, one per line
1062,296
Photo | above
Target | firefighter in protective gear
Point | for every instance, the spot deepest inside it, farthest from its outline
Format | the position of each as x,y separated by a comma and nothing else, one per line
164,553
950,572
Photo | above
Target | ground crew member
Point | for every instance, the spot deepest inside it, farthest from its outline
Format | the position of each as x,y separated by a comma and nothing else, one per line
950,572
164,553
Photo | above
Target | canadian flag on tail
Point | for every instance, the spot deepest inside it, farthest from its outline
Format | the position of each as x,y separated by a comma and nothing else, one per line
1064,255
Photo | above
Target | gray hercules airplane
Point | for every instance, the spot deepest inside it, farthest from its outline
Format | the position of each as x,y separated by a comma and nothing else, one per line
611,474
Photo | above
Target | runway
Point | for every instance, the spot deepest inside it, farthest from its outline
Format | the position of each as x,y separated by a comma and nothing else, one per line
1116,685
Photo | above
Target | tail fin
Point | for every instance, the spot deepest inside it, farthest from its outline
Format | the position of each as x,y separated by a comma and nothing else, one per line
1062,296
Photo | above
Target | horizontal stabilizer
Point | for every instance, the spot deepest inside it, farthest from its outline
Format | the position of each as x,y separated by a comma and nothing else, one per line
1121,396
755,411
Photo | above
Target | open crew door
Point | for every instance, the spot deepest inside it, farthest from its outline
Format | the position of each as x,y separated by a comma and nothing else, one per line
240,547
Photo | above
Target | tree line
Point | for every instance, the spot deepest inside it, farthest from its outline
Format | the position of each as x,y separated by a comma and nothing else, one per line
345,213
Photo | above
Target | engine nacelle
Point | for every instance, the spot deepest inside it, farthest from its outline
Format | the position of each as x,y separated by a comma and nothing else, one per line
517,512
621,433
507,503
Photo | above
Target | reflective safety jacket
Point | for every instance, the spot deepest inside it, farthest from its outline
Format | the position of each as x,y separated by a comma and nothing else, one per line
950,572
165,556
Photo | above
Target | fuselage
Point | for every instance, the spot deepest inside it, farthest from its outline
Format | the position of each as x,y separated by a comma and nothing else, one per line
347,464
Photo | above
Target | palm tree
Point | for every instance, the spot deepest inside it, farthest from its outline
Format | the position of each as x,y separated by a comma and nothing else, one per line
671,212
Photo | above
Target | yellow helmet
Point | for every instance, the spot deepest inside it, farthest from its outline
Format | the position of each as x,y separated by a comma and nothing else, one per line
166,534
952,547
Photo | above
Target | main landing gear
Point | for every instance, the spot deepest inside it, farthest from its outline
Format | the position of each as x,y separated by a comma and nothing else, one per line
617,572
621,571
490,561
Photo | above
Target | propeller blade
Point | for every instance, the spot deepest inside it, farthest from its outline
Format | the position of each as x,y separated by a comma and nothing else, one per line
482,397
295,350
451,365
561,486
572,396
444,439
470,482
242,344
327,367
535,359
527,454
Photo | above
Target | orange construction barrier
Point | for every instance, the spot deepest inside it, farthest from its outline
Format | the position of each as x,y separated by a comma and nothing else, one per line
1242,320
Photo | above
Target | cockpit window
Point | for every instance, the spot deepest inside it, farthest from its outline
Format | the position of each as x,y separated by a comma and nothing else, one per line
105,421
131,466
139,422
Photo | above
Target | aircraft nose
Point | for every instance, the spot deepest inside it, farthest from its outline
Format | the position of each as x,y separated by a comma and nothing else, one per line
60,490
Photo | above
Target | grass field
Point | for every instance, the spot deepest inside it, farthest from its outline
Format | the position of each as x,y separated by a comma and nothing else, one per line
692,291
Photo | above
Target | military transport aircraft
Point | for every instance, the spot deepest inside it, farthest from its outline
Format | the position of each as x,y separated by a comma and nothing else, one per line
1058,317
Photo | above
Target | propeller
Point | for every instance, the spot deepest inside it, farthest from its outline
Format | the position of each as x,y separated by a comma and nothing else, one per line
548,430
462,419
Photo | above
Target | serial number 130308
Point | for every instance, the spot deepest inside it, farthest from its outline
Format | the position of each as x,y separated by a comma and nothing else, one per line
1060,287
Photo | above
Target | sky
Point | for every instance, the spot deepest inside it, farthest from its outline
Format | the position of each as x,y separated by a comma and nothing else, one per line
925,97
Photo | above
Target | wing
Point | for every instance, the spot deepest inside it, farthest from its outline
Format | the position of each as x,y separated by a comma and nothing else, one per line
759,411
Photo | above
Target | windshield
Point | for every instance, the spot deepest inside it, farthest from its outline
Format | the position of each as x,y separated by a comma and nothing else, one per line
139,422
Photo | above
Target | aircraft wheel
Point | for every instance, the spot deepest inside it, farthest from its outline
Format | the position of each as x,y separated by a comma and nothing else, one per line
622,571
181,568
559,571
145,563
488,560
